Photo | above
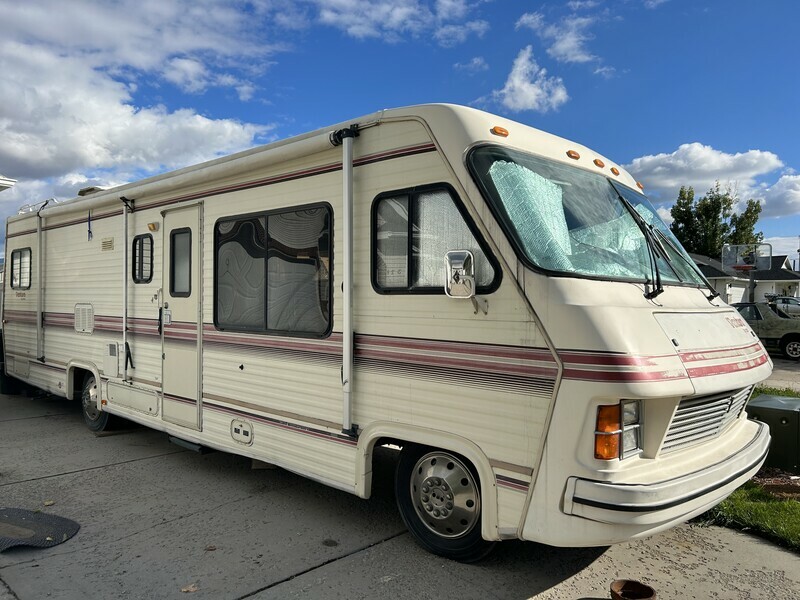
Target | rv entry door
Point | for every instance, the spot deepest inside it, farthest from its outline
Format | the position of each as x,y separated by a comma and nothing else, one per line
181,317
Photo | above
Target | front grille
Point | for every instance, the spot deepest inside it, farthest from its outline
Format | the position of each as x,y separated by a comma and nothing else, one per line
702,418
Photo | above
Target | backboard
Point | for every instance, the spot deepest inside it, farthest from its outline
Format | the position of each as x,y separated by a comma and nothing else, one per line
747,257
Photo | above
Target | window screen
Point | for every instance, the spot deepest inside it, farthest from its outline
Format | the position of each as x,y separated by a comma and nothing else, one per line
21,269
142,267
180,277
413,232
273,272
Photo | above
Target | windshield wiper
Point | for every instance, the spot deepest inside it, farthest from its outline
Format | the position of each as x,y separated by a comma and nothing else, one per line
665,239
654,247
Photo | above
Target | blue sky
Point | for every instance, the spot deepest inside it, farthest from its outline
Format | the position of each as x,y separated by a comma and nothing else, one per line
683,92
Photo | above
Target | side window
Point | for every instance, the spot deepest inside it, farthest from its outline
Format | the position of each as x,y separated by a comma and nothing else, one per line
272,272
142,261
21,269
412,232
749,312
180,272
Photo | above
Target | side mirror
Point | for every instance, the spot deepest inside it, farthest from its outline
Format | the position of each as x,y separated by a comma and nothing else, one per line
459,274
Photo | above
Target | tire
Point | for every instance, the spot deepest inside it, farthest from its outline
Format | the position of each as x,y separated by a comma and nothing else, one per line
439,498
96,420
790,347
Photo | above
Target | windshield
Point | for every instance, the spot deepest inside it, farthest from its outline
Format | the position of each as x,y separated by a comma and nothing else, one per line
568,220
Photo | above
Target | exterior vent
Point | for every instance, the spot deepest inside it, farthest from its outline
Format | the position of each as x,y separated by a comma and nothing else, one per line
107,244
84,318
703,418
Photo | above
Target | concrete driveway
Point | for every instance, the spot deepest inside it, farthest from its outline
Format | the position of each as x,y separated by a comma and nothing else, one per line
157,519
785,372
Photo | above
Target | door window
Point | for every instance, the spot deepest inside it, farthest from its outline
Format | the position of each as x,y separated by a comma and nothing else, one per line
180,273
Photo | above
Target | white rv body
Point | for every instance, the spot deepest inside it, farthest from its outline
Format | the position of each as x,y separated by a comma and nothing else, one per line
509,380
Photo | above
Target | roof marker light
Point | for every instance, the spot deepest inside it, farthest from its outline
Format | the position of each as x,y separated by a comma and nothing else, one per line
573,155
501,131
639,185
599,163
615,170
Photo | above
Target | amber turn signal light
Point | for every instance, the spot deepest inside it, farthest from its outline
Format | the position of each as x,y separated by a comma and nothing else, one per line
607,432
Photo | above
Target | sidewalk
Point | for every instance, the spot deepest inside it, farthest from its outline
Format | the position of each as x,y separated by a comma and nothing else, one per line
785,374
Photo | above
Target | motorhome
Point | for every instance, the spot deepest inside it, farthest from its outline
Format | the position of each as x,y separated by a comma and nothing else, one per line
503,305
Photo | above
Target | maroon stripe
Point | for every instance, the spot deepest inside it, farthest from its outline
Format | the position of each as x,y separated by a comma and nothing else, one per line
740,351
727,367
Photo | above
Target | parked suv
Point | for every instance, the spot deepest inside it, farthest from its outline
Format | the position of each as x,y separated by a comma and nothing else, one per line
773,327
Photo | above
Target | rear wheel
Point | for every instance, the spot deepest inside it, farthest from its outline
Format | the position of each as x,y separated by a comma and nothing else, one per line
790,347
439,497
96,419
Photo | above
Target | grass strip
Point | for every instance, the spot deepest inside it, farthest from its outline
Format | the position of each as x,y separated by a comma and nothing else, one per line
774,391
752,508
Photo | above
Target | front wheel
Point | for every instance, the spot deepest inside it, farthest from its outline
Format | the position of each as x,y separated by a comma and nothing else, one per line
439,497
790,347
96,419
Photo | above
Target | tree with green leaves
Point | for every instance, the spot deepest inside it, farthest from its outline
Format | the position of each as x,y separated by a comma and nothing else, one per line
705,225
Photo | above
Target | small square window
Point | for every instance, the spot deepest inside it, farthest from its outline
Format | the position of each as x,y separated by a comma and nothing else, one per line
142,260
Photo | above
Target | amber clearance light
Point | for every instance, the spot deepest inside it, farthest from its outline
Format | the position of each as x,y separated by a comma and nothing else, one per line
599,163
501,131
573,155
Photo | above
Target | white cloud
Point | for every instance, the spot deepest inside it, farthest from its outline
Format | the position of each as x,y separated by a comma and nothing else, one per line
453,35
665,215
700,166
391,20
749,174
144,35
583,4
57,115
654,3
787,245
68,116
567,39
475,65
529,88
783,197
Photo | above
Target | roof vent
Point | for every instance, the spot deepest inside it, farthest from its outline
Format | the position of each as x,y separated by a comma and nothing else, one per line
92,189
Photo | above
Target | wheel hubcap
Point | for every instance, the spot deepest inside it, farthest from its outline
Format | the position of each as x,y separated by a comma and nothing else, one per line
445,495
89,399
793,349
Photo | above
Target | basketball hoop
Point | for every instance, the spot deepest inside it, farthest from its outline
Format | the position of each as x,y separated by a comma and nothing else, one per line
746,257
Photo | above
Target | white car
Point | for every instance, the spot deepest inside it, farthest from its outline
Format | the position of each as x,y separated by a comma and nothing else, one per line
788,304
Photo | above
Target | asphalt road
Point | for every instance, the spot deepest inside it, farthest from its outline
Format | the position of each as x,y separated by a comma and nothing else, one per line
157,519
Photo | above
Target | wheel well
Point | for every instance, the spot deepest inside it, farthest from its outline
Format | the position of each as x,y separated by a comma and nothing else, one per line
75,379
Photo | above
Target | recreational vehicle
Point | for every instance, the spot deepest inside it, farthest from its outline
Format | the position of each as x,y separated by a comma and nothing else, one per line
503,305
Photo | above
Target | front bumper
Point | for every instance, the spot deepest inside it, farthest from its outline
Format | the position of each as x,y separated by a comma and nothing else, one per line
670,500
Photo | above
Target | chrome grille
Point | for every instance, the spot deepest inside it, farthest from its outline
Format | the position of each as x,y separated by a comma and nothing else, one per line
702,418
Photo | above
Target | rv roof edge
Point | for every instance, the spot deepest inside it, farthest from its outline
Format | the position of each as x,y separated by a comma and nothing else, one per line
226,165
